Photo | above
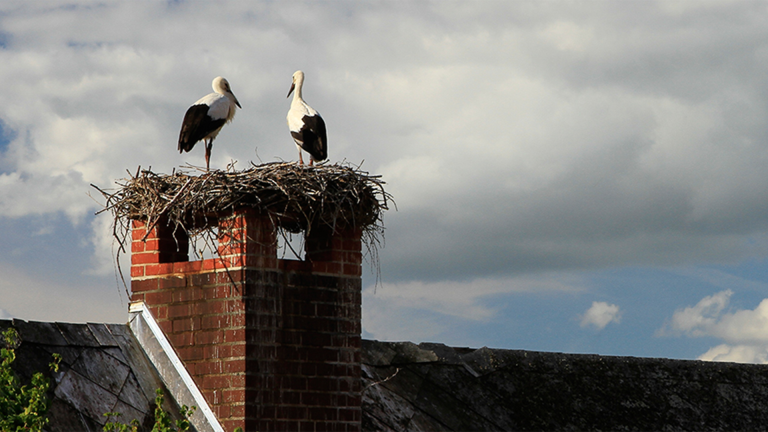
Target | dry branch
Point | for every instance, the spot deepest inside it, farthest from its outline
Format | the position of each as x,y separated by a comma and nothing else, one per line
295,197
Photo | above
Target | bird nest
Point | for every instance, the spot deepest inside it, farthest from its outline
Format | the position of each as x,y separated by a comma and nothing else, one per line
296,198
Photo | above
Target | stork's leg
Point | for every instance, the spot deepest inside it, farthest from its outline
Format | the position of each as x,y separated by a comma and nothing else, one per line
311,161
301,159
208,147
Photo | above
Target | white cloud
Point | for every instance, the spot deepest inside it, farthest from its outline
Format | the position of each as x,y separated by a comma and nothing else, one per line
737,354
703,318
600,314
516,138
745,331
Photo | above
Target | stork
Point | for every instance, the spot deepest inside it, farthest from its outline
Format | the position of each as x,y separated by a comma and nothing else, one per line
205,118
306,126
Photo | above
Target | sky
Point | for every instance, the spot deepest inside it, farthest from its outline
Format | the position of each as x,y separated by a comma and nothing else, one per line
570,176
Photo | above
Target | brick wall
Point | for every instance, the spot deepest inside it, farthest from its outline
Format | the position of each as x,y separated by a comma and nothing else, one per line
272,344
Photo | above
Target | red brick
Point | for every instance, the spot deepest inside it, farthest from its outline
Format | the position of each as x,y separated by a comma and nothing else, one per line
234,366
180,339
144,285
176,311
171,281
222,411
137,271
237,410
234,335
208,368
209,337
138,234
160,312
234,261
187,294
216,382
145,258
233,396
212,264
152,269
182,325
158,297
191,353
187,266
235,306
215,321
166,326
230,425
353,270
151,244
137,246
238,350
237,381
210,307
217,351
215,292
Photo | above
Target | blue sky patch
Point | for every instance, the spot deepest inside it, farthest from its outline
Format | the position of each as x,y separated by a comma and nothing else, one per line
6,136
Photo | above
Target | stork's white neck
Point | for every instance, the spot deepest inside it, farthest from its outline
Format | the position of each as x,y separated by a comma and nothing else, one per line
297,95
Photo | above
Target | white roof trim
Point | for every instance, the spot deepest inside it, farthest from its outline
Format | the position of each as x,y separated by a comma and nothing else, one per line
177,373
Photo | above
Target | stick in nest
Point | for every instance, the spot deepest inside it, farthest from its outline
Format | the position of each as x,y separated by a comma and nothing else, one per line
295,198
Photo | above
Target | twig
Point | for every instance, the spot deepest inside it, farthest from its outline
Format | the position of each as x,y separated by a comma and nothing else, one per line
382,381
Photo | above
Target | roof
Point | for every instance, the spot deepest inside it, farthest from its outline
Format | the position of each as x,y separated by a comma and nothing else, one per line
103,369
432,387
426,387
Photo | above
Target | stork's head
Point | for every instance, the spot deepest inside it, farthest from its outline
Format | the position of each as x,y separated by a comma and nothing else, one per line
298,80
221,86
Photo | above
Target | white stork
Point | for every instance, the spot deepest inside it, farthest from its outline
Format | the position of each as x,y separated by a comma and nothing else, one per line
306,126
205,118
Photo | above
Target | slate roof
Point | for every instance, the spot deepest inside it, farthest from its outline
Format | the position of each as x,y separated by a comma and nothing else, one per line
103,369
427,387
432,387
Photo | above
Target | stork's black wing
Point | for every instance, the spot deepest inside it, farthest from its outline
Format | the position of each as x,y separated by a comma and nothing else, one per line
312,136
197,125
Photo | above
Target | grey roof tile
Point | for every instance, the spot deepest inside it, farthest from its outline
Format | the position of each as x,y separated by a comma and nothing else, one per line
129,413
86,396
31,360
115,352
69,355
133,395
102,334
78,334
43,333
384,407
102,369
67,418
137,360
525,390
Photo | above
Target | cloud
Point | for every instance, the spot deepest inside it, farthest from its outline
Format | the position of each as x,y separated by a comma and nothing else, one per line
4,314
37,298
597,161
519,141
392,310
703,318
745,331
600,314
737,354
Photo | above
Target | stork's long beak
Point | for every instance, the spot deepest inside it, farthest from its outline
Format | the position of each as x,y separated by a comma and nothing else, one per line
293,85
236,101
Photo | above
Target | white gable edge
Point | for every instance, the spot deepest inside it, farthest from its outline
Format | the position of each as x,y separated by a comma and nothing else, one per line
170,367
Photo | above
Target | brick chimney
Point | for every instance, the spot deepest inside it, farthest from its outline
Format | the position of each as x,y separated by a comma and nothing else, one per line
272,344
